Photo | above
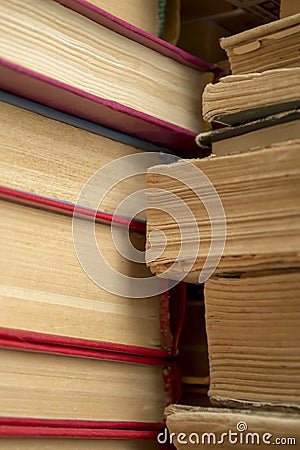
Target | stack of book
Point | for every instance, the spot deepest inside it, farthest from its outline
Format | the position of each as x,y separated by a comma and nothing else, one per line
239,218
82,86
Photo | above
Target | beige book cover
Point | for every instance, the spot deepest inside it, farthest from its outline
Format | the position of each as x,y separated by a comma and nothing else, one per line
206,428
269,46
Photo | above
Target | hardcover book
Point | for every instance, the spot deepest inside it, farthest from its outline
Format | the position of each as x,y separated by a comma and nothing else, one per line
109,73
48,156
237,99
55,386
53,154
273,45
248,213
252,325
192,426
262,132
46,296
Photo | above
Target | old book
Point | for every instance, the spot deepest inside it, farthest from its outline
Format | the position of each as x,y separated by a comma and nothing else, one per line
109,73
241,98
46,296
251,220
55,386
53,154
192,427
256,133
253,333
48,156
270,46
140,14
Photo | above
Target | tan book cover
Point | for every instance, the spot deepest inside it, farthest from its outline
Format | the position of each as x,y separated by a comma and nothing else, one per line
206,428
270,46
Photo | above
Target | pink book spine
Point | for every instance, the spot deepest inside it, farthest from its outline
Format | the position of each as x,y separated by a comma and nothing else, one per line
10,428
68,209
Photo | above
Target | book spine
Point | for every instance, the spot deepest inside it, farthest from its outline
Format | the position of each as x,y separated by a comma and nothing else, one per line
69,209
11,428
75,428
33,337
